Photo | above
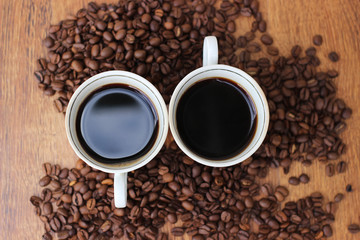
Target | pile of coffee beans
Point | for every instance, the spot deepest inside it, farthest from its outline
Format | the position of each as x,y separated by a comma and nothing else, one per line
162,41
212,203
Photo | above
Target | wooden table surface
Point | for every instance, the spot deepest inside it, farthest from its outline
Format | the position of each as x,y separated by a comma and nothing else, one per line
32,132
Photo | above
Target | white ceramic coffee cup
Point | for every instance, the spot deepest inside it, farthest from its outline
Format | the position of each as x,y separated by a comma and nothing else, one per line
120,170
211,69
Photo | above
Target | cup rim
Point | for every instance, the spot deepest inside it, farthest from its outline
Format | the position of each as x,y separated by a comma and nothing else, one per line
233,160
161,111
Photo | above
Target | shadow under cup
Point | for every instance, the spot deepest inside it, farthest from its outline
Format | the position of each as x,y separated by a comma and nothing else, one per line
112,81
253,93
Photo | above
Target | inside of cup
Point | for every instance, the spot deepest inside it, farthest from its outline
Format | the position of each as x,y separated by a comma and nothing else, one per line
141,85
246,83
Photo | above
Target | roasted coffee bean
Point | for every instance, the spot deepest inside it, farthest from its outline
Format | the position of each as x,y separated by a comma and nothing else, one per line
253,47
187,205
47,168
304,178
341,167
48,42
262,26
330,170
77,199
177,231
168,177
338,197
44,181
354,228
330,207
333,56
225,216
317,40
47,208
62,234
349,188
172,218
266,39
327,231
66,198
294,181
90,204
273,51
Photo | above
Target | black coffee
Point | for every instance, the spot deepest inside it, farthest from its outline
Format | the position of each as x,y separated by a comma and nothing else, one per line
216,118
117,123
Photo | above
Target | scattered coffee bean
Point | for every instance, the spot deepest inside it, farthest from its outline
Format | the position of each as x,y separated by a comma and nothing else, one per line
266,39
341,167
338,197
333,56
349,188
317,40
330,170
354,228
294,181
273,51
304,178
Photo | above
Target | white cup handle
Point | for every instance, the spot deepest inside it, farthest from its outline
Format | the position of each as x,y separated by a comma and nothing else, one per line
120,189
210,51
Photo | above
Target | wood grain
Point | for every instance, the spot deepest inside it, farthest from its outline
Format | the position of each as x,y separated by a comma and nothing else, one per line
33,133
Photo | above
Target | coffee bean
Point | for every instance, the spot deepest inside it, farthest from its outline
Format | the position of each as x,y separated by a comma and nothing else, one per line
47,168
225,216
338,197
77,199
354,228
349,188
265,203
187,205
172,218
90,204
198,237
168,177
262,26
177,231
266,39
48,42
273,51
249,202
106,52
206,176
304,178
333,56
294,181
317,40
62,234
346,113
330,170
55,185
253,47
66,198
77,66
327,231
44,181
341,167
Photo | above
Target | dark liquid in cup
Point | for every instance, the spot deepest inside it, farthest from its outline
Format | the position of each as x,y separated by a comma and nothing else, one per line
116,123
216,118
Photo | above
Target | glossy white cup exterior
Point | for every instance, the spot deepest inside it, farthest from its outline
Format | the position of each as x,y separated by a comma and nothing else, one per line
211,69
120,170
